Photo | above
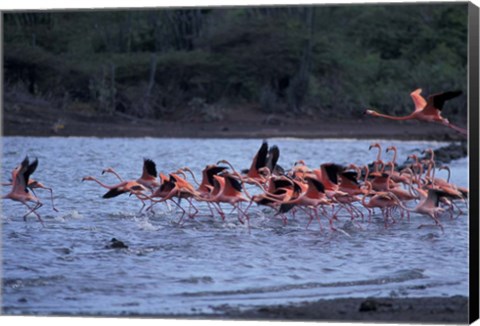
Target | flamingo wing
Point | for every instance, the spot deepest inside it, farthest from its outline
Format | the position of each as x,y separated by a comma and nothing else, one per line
318,185
149,168
23,172
332,170
350,175
137,188
436,102
114,192
213,170
260,159
433,197
418,99
284,208
272,158
29,171
280,183
232,186
439,99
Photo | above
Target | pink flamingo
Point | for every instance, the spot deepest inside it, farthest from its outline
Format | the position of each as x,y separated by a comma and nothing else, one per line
427,206
19,191
147,179
429,110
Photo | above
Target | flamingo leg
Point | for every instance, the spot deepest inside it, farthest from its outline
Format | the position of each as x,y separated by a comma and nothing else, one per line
33,210
220,210
244,214
210,208
318,218
460,212
143,206
192,206
456,128
51,197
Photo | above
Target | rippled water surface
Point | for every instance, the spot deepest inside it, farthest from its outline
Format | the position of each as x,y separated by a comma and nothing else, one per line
65,267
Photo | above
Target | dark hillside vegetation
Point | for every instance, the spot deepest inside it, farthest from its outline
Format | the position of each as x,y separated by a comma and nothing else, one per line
212,64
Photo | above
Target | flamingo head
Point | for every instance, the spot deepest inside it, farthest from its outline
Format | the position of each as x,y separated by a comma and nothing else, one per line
107,170
391,148
87,178
300,162
377,145
444,167
370,112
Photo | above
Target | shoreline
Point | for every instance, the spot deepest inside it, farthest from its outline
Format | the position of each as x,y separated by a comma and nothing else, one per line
438,310
452,309
28,122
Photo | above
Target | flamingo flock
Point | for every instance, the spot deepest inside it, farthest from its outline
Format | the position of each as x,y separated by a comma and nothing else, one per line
320,192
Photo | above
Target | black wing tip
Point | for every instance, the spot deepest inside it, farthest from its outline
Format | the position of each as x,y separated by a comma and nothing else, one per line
150,166
234,182
351,175
34,163
25,161
113,193
284,208
318,184
262,155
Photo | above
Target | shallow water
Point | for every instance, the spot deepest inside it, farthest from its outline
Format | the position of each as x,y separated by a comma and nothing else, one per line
65,268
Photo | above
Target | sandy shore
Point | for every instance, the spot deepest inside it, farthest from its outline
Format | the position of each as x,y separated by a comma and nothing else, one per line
30,122
438,310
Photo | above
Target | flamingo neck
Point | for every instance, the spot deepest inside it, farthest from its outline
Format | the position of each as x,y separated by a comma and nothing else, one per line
192,174
101,183
391,117
116,174
394,159
448,176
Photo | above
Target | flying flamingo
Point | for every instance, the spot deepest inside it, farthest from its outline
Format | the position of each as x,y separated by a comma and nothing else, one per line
228,190
19,191
427,206
259,161
147,179
175,186
313,198
34,184
130,186
427,110
206,186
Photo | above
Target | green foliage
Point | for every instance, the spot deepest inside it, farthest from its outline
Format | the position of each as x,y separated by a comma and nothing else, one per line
329,60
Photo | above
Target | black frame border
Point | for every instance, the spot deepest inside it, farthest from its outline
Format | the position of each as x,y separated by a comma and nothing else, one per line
473,102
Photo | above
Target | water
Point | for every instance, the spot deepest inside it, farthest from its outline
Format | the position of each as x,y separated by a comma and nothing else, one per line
65,268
